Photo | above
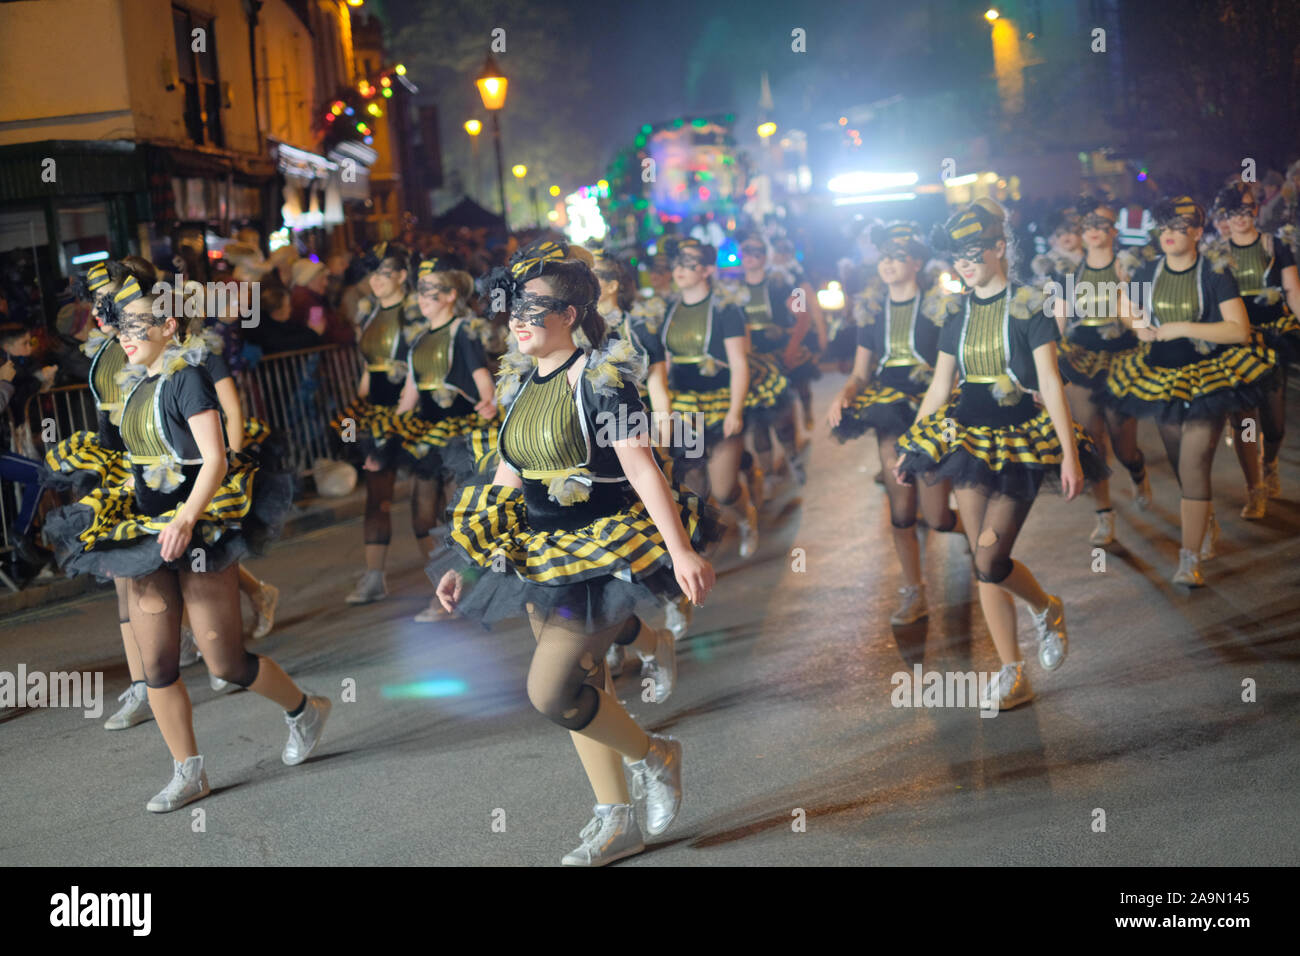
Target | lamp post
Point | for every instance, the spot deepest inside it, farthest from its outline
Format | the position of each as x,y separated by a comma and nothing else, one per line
474,127
492,88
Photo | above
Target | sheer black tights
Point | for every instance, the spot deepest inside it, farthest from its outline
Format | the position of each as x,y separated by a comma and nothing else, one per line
212,599
1190,446
379,505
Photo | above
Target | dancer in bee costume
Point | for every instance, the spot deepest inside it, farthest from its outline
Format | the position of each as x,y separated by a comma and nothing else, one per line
628,316
369,429
177,534
708,374
87,460
800,362
898,343
1197,366
578,528
773,328
995,444
1086,306
1266,276
1064,249
448,394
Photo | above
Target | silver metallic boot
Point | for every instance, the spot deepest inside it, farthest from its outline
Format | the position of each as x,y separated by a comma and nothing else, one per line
1053,644
305,730
369,589
611,835
657,783
189,783
661,666
1011,689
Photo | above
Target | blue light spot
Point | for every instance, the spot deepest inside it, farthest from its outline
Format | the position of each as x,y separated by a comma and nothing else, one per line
433,687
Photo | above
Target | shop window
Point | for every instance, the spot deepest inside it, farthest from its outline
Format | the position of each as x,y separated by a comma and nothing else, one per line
197,71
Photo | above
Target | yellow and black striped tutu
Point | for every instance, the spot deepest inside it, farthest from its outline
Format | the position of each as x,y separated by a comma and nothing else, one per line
425,444
768,389
106,534
81,462
1010,460
602,570
473,458
886,410
1283,336
363,429
1233,378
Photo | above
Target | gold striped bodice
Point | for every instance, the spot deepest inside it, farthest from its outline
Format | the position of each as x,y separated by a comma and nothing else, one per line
108,361
542,432
140,429
688,331
1092,295
431,358
898,343
983,351
1250,264
758,314
1176,296
380,337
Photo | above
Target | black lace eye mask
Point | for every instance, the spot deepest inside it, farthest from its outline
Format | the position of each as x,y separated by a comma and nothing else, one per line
1096,221
533,309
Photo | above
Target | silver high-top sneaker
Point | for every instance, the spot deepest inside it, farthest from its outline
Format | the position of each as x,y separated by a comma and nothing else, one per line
913,607
1210,543
1189,569
1011,689
134,711
369,589
661,666
189,648
305,730
748,528
611,834
189,783
1104,532
1272,480
265,605
1053,644
657,783
1142,492
677,616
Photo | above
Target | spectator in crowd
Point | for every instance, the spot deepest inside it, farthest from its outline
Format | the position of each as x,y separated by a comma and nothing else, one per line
73,324
277,332
311,310
1272,202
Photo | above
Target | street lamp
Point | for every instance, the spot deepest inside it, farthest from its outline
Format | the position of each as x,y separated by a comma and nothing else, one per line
492,89
991,14
520,171
766,130
474,127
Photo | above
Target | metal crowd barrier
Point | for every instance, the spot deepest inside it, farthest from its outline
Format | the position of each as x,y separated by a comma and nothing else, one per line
296,393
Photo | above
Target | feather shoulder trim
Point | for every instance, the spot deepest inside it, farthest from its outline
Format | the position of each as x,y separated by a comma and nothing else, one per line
95,342
514,369
612,365
870,302
731,293
1025,301
938,304
650,312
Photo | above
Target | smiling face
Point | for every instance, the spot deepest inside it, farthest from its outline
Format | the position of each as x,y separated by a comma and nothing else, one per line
979,264
1068,242
437,297
142,337
896,266
540,322
387,281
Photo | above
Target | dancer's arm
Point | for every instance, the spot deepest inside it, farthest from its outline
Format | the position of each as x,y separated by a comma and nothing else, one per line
1291,289
694,574
487,393
1234,329
206,429
661,400
738,359
1053,395
860,378
410,394
945,371
228,396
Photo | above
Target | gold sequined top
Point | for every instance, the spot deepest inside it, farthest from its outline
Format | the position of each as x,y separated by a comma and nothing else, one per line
1250,264
431,358
542,432
1092,294
983,351
108,361
141,429
381,339
900,318
688,331
758,312
1176,296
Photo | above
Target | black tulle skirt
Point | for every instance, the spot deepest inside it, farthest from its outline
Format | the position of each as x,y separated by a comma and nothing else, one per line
600,572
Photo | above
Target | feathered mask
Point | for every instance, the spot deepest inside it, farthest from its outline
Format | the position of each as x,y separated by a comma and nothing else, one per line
505,286
1178,213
